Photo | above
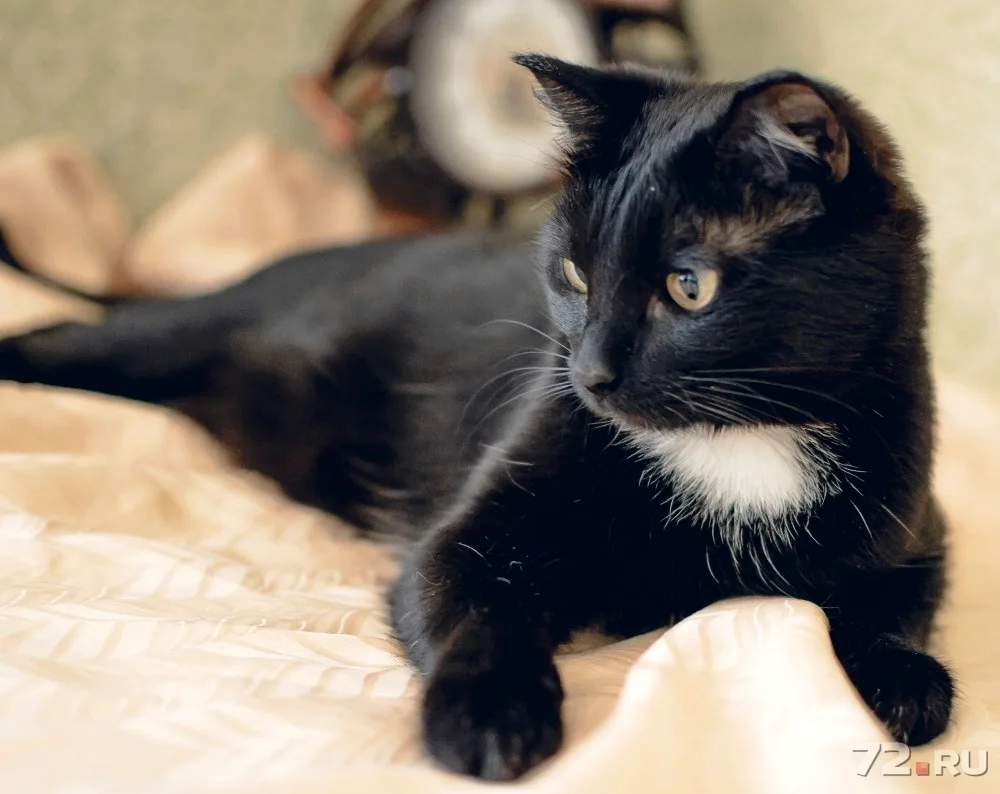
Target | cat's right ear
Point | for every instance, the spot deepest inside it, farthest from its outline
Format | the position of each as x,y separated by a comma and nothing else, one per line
595,105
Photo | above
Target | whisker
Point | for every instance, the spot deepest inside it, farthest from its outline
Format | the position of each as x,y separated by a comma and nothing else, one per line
530,328
475,551
726,408
535,351
717,411
779,385
774,567
862,517
557,389
750,393
805,527
506,373
708,562
898,521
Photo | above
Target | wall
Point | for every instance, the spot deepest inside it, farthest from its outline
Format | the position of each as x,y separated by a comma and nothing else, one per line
930,69
155,88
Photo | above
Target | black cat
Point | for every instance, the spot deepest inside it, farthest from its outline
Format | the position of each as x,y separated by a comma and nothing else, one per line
727,394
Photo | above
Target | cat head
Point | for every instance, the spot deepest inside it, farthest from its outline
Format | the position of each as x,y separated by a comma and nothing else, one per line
730,253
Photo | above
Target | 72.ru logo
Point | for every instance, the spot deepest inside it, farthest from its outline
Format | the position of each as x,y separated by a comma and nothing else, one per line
892,758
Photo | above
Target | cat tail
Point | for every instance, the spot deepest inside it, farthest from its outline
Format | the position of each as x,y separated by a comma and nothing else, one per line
154,350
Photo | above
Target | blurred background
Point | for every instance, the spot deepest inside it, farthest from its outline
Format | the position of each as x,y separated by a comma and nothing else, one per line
394,97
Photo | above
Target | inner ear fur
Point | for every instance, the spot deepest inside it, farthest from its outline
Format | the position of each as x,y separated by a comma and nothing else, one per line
778,127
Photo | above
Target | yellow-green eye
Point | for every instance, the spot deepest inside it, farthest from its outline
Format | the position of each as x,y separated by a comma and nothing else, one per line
574,276
693,289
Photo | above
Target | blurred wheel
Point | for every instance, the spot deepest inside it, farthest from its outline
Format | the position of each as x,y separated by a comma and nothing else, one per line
472,107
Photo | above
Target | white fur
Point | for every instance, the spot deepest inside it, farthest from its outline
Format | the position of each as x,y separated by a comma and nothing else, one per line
736,479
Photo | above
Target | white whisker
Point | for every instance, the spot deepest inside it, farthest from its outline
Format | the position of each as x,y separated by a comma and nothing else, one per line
475,551
530,328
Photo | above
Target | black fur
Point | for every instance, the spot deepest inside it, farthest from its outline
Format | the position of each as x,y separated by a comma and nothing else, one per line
402,384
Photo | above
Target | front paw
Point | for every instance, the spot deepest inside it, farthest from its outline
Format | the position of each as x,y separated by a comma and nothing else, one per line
495,723
908,690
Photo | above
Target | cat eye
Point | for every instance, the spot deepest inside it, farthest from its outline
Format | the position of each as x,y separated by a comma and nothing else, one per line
574,276
693,289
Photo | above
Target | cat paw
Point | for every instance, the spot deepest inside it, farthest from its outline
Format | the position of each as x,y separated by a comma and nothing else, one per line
909,691
493,724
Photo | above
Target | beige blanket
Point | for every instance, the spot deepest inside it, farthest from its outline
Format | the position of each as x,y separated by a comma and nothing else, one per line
171,624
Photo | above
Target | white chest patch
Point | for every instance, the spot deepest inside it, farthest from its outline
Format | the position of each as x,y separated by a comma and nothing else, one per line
737,479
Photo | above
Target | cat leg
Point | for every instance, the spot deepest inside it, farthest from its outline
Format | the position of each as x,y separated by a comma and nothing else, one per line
880,636
481,605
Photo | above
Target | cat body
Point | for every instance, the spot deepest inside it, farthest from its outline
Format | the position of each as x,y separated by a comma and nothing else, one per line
720,389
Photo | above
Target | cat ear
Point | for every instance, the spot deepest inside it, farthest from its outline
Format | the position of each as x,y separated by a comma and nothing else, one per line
593,104
781,126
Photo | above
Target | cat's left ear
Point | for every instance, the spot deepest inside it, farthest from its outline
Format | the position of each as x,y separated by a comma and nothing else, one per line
593,104
781,127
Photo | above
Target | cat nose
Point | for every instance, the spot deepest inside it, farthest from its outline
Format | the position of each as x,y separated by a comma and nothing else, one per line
600,380
594,372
